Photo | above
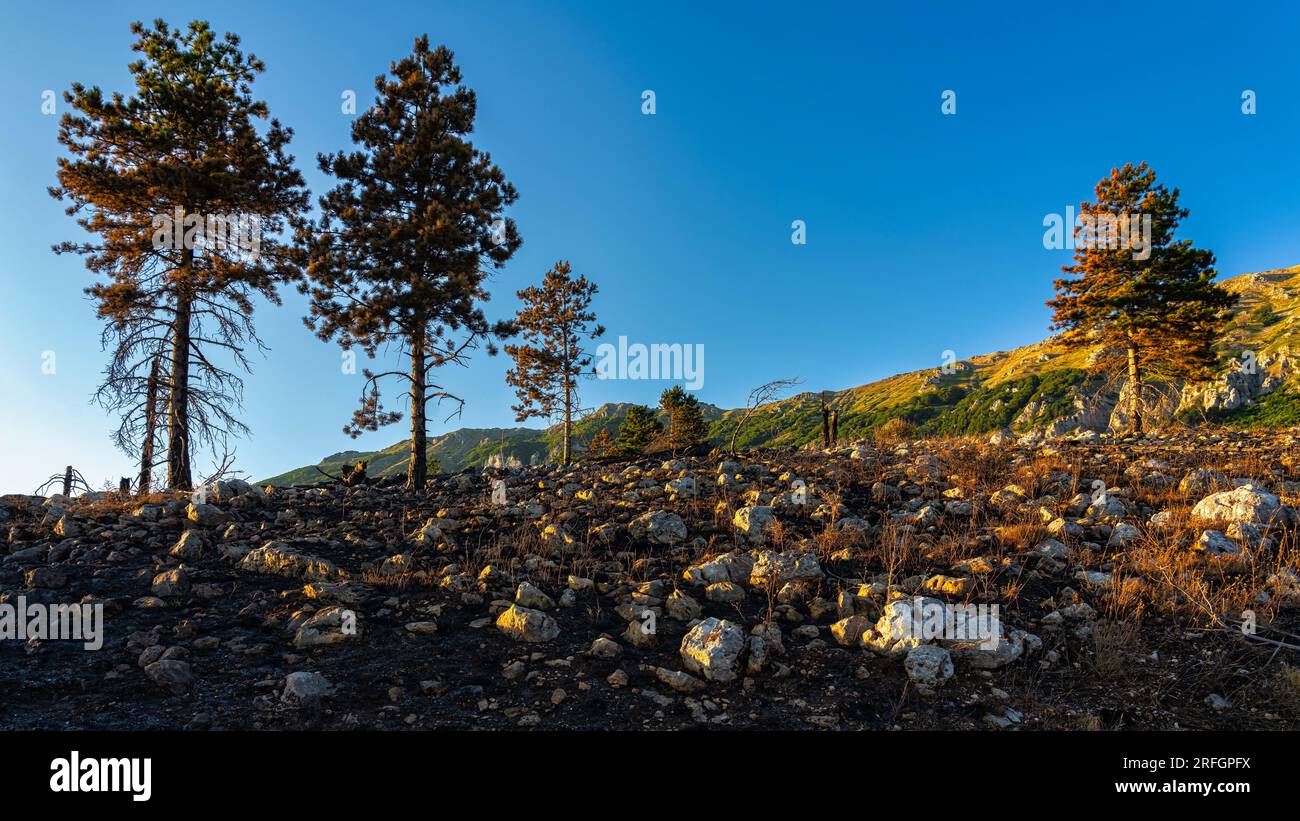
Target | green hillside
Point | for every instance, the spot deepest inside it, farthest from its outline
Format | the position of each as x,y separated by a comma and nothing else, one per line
471,448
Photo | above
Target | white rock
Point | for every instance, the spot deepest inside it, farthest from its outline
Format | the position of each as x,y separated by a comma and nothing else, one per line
330,625
1216,544
170,583
751,521
712,649
529,596
205,515
1248,503
281,559
729,567
658,527
1202,481
305,687
784,567
529,625
1052,549
1108,506
928,666
1123,535
67,527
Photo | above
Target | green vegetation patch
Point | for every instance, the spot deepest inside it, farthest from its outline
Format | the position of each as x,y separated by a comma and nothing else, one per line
1280,409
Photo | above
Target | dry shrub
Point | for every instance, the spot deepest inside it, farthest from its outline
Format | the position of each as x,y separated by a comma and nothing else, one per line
1086,722
1125,598
1114,642
1021,535
1034,475
895,431
114,504
894,551
391,581
1179,581
1284,689
977,467
831,540
778,534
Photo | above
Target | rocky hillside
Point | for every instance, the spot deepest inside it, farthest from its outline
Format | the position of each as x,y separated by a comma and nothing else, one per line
1052,584
1046,388
1041,387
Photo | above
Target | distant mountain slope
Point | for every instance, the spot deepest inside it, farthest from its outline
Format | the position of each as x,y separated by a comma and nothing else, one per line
1042,386
471,447
1045,386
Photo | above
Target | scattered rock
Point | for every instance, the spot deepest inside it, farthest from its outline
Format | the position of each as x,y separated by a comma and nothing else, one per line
330,625
306,688
928,666
658,527
525,624
528,596
171,583
1248,503
753,522
712,649
171,674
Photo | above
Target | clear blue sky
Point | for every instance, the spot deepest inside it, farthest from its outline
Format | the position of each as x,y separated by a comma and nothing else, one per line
924,231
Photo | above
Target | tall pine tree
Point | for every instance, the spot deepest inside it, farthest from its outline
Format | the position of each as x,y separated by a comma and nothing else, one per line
1151,306
186,186
640,427
408,237
686,426
554,320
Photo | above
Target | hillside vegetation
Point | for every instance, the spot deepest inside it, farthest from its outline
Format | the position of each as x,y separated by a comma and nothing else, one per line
1024,389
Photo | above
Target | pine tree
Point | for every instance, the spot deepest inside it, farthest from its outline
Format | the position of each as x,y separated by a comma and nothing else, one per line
408,237
602,444
554,320
685,418
639,429
1151,304
187,197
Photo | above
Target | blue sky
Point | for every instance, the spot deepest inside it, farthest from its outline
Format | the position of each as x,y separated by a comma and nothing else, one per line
924,231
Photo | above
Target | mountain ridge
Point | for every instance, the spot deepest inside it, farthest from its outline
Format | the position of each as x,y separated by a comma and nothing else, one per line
1039,387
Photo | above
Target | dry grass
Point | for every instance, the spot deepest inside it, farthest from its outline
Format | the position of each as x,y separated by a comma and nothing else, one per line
1114,643
1164,573
117,505
1283,689
894,431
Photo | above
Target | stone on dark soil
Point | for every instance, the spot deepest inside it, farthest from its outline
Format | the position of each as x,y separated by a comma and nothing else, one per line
306,688
525,624
712,649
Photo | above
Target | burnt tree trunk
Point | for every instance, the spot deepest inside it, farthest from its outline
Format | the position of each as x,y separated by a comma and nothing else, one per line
178,412
150,429
417,470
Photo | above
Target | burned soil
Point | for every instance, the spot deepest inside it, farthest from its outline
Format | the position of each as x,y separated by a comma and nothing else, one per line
1139,583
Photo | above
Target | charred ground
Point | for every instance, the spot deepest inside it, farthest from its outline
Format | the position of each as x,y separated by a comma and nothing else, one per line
1122,620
